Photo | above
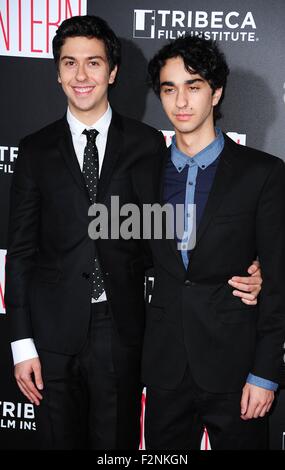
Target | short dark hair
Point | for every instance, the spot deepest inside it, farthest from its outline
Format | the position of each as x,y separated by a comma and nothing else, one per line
90,27
200,55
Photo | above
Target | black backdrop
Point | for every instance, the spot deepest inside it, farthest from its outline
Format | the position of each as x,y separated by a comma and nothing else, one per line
251,34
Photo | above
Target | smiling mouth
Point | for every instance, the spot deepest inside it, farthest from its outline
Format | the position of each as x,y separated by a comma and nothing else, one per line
83,91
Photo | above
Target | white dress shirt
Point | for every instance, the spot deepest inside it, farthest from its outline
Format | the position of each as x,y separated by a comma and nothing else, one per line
25,349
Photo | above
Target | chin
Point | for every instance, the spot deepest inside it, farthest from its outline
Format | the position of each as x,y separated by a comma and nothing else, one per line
185,129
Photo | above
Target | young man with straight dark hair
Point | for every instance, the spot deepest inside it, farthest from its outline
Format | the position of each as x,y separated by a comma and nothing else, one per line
76,306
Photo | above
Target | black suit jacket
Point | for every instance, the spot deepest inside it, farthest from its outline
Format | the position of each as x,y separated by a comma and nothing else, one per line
50,255
193,316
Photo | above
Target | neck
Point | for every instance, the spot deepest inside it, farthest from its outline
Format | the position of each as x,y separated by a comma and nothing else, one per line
88,117
192,143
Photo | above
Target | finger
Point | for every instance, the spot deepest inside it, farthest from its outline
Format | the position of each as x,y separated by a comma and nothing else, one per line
30,386
253,288
263,411
249,302
249,413
244,295
251,405
245,280
28,393
38,378
257,275
244,401
269,406
249,280
257,411
21,381
242,286
27,383
32,396
253,268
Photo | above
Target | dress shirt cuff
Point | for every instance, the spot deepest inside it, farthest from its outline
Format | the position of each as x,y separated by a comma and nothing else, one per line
260,382
23,349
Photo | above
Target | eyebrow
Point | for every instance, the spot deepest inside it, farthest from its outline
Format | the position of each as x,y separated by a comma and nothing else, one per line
88,58
187,82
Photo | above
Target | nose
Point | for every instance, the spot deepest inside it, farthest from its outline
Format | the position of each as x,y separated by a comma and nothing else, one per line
81,73
181,99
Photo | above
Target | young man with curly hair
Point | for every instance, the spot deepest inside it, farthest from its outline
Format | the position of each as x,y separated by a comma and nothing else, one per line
210,360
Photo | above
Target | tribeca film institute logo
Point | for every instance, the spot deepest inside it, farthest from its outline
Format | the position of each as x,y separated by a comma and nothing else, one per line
18,416
217,25
28,26
8,156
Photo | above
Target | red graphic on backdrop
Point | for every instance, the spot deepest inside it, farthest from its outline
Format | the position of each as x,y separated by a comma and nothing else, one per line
143,400
27,27
2,280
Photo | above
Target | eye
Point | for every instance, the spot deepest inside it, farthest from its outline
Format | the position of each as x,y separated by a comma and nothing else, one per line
69,63
168,90
94,63
194,88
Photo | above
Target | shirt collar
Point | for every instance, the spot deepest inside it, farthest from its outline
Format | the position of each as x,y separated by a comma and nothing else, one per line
203,159
77,127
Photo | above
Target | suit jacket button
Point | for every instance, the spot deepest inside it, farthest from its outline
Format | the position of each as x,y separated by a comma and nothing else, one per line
86,275
187,283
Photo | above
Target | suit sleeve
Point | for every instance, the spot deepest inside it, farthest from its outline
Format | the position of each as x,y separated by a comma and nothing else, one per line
270,237
22,245
139,176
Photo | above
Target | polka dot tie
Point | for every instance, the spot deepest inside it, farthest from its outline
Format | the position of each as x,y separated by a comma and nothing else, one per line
91,175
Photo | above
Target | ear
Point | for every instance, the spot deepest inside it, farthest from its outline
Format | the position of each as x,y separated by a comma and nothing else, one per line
113,75
217,96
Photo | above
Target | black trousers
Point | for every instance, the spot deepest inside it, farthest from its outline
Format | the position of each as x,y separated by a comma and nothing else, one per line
87,403
175,420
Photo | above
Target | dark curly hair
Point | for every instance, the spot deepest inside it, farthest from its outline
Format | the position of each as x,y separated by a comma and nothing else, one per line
200,56
90,27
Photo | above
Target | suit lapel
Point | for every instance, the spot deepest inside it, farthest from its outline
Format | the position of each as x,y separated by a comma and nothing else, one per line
219,190
112,152
67,151
221,185
113,146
